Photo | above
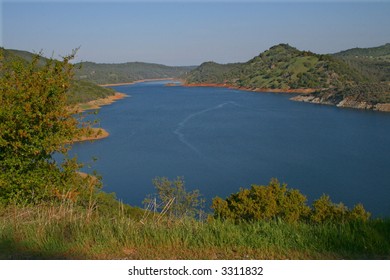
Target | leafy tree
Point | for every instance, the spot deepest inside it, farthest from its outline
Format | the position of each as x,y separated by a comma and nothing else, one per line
173,200
35,123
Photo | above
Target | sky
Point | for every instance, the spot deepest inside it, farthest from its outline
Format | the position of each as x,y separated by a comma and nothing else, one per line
189,32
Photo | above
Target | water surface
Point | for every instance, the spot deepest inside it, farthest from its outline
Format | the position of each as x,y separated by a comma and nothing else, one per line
223,139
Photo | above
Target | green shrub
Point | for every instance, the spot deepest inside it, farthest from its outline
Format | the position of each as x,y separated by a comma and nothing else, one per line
276,201
263,203
325,210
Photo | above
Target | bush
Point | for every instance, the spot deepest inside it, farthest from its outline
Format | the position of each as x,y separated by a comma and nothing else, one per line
325,210
35,123
262,203
276,201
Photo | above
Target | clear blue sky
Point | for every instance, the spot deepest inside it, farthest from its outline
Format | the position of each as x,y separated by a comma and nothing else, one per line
179,33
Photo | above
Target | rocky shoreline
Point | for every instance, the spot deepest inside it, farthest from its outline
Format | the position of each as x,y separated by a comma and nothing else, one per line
305,95
274,90
345,103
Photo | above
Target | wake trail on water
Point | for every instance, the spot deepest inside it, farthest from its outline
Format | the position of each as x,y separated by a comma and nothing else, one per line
183,123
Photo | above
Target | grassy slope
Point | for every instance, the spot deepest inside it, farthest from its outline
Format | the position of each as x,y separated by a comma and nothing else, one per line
66,232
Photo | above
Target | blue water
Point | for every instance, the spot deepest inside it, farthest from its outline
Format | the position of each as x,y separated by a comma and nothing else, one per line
223,139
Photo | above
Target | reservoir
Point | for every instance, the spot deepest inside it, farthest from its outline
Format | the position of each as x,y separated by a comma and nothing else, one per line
222,139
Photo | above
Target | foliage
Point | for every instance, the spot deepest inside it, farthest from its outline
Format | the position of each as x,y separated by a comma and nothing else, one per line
78,92
174,201
104,73
212,72
35,123
276,201
372,93
324,210
362,75
373,63
84,91
280,67
262,203
380,53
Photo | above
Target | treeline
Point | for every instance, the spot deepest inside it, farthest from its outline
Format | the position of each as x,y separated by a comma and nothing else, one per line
104,73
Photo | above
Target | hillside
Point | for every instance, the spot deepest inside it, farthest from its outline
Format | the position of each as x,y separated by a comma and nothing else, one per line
80,91
372,62
211,72
329,78
376,53
103,73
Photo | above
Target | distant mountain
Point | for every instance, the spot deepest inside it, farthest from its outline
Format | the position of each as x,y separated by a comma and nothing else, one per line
103,73
331,79
80,91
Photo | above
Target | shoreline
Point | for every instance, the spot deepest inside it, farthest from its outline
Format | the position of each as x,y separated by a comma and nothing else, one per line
304,95
137,82
276,90
94,134
98,103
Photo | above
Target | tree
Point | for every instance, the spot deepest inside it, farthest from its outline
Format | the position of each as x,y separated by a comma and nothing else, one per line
173,200
36,123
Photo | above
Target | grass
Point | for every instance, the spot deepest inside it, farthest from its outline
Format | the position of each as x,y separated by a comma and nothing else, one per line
69,232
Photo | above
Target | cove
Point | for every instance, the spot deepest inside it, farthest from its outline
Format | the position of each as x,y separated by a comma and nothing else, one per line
222,139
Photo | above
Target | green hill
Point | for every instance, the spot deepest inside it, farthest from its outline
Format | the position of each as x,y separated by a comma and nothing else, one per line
280,67
332,79
80,92
211,72
376,53
103,73
372,62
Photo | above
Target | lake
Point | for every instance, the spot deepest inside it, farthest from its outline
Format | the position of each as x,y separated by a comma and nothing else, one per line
222,139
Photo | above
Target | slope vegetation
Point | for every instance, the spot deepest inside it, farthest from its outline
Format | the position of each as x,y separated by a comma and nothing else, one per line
79,92
102,73
339,79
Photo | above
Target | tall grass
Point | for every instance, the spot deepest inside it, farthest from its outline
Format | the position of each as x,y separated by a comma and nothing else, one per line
69,232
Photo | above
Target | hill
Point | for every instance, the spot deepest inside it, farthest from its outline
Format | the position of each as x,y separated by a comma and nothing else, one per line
330,79
376,53
372,62
211,72
103,73
80,91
